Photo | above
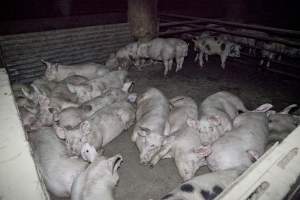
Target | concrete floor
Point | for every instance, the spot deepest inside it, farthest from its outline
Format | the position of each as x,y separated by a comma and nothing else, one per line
254,87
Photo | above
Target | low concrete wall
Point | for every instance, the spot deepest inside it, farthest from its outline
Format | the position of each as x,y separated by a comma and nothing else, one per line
18,176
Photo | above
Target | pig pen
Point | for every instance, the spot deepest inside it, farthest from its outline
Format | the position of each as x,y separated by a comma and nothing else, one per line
137,182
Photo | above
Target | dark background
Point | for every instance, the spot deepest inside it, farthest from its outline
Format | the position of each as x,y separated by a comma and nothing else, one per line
277,13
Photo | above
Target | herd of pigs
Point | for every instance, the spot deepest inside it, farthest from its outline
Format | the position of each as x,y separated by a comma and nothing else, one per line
72,112
166,50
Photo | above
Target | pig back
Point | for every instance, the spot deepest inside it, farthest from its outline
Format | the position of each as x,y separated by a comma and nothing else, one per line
57,169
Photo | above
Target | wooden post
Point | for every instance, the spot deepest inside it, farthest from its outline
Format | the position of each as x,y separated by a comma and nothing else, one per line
142,19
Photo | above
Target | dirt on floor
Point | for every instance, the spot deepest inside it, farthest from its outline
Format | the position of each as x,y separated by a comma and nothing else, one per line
253,86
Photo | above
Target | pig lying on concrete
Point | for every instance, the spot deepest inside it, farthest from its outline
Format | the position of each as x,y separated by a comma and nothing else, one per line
185,146
99,129
97,86
58,72
244,144
182,109
151,123
58,170
215,46
71,117
282,123
204,187
216,113
165,50
184,143
99,179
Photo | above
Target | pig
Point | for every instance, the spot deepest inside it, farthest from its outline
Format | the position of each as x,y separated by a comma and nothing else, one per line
99,179
204,187
216,46
123,58
164,50
282,123
184,143
185,146
151,123
97,86
58,72
216,114
71,117
244,144
28,117
99,129
182,109
57,169
181,51
270,51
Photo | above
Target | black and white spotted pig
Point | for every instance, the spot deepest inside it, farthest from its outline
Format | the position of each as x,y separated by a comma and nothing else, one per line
215,46
203,187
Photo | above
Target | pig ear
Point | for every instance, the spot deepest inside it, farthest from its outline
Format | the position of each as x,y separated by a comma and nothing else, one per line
264,108
72,88
60,132
203,151
192,123
144,131
48,64
128,86
88,152
85,127
43,100
288,109
27,94
214,120
253,155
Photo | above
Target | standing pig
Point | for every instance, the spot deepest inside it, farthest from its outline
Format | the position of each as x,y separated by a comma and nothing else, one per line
204,187
164,50
58,72
98,86
71,117
58,170
151,123
99,179
216,113
216,46
244,144
123,57
99,129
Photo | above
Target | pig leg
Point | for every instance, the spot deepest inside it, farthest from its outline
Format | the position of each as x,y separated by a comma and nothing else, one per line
170,63
166,65
223,60
162,152
261,62
196,57
201,59
206,57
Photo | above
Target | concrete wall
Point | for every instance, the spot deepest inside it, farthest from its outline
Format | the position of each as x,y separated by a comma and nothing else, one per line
21,53
18,176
